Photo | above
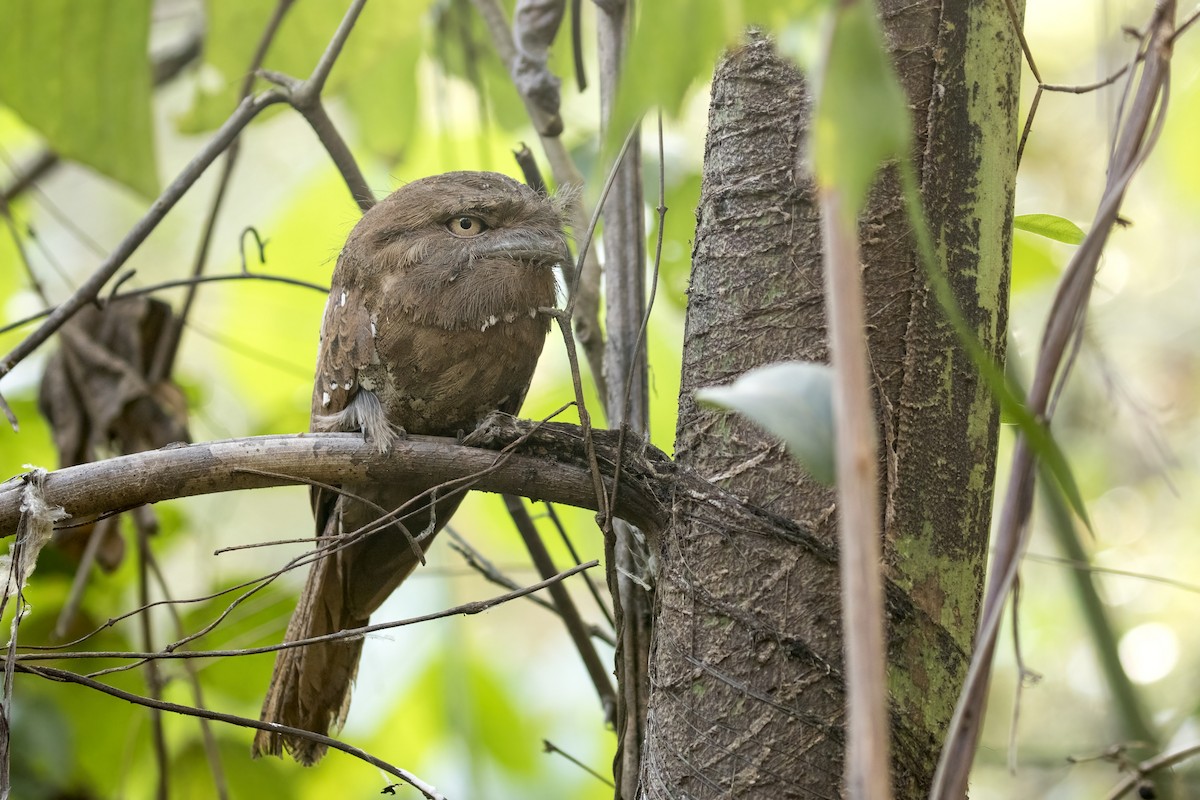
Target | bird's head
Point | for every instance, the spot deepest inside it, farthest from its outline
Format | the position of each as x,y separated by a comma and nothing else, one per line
458,249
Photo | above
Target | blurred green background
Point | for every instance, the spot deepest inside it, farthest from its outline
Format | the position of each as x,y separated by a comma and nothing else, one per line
466,702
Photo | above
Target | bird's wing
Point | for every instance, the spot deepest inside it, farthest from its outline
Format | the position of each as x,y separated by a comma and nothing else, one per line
347,346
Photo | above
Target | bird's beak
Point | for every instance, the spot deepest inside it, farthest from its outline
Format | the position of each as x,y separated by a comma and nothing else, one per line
544,248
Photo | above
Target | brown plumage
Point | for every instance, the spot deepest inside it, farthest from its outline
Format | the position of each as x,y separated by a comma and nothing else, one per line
431,324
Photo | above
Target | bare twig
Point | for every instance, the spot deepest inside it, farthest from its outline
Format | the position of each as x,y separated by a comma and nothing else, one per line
169,346
550,747
639,342
174,284
62,676
22,256
154,681
562,532
465,609
572,620
1150,766
308,103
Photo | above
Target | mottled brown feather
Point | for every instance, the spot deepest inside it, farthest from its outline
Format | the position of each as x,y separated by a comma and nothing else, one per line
425,332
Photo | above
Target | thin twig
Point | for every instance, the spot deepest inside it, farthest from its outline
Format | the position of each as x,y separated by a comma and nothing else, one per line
465,609
572,620
309,105
1151,766
168,348
22,256
661,210
175,284
211,750
62,676
154,682
550,747
566,539
1015,18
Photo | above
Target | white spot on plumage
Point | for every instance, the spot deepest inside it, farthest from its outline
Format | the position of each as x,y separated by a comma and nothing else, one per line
325,399
343,298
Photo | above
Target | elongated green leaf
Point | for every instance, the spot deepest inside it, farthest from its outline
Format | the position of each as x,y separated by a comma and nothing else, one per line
1050,226
792,400
79,73
862,114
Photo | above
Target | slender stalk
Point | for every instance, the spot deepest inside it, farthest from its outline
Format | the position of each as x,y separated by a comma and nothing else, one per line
867,749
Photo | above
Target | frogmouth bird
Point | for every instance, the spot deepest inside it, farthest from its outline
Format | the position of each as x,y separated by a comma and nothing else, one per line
432,322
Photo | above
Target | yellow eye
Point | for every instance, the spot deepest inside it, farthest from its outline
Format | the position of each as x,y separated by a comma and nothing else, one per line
466,227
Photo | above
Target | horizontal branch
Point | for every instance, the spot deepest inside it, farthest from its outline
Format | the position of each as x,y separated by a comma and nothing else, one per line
549,466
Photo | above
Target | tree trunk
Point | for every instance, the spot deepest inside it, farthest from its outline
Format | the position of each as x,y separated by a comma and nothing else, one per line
747,694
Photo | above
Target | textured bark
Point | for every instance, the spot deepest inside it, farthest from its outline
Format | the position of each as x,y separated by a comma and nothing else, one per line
747,694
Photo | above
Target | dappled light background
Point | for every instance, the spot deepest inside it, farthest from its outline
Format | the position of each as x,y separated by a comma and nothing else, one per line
466,702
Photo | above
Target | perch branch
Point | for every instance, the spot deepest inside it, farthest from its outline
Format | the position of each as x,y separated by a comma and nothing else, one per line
187,470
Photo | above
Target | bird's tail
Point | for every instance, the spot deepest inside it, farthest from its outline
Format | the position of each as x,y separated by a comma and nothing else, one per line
310,688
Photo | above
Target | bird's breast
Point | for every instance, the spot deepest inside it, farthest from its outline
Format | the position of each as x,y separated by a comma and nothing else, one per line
436,381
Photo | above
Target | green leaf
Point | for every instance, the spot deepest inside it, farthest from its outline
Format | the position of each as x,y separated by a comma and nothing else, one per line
79,73
1050,226
236,26
792,400
861,118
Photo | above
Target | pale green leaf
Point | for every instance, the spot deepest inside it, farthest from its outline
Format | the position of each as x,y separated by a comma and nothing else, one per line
1050,226
792,400
861,118
79,73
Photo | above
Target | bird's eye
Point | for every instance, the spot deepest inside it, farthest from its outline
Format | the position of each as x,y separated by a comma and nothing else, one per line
466,227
